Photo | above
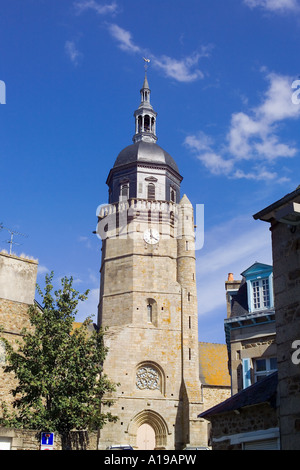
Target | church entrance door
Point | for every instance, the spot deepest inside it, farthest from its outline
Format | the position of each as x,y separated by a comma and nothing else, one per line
145,438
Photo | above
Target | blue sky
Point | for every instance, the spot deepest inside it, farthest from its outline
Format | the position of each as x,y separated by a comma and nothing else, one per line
222,77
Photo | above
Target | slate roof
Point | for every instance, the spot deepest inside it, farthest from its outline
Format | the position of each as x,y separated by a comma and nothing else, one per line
267,213
240,301
263,391
145,152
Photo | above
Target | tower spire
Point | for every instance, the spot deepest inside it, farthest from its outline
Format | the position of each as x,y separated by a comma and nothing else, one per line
145,116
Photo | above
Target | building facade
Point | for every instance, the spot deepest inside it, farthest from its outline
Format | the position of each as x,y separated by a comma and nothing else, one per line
17,291
148,297
248,420
250,326
284,219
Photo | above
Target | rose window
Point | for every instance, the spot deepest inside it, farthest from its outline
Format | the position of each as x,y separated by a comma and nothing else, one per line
147,378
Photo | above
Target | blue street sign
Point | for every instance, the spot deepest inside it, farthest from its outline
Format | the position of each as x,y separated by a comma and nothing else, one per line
47,438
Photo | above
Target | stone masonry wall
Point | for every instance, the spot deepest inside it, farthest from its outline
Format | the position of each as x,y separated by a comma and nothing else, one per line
17,289
250,419
286,260
21,439
13,317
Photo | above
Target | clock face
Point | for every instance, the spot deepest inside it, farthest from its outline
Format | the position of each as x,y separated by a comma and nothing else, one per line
151,236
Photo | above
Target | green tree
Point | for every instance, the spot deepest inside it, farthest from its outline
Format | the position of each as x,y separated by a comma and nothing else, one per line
58,368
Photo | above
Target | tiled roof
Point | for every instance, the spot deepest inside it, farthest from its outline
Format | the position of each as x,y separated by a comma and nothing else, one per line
213,364
91,327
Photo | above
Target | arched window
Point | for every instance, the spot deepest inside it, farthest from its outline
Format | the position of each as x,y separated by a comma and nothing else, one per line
173,195
140,124
153,125
151,191
147,123
152,312
149,313
124,194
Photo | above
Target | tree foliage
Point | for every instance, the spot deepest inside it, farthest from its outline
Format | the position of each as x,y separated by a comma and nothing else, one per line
58,368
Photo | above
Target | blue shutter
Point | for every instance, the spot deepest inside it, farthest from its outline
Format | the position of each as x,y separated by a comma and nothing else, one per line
246,373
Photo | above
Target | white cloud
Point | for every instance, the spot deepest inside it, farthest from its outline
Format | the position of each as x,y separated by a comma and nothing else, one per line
253,136
280,6
124,38
100,9
42,270
202,144
278,104
72,52
183,70
260,173
230,247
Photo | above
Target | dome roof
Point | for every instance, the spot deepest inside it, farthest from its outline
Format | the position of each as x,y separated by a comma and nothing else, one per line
145,152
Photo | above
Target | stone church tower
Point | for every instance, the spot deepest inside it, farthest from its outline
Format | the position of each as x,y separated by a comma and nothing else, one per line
148,297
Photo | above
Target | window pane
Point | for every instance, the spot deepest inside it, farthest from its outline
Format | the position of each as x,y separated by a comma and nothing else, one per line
261,365
266,292
273,363
261,294
151,191
256,295
124,192
149,312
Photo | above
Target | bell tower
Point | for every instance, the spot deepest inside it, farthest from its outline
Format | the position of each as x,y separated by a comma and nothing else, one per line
148,297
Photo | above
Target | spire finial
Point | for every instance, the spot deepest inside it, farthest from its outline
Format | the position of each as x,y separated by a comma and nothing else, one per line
145,116
146,63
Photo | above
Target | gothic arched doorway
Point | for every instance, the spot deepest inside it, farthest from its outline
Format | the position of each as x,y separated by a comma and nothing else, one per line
145,437
148,431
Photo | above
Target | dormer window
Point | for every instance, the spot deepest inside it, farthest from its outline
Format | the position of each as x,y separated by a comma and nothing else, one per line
259,278
261,294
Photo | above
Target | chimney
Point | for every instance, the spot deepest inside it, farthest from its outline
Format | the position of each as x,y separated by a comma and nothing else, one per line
231,288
